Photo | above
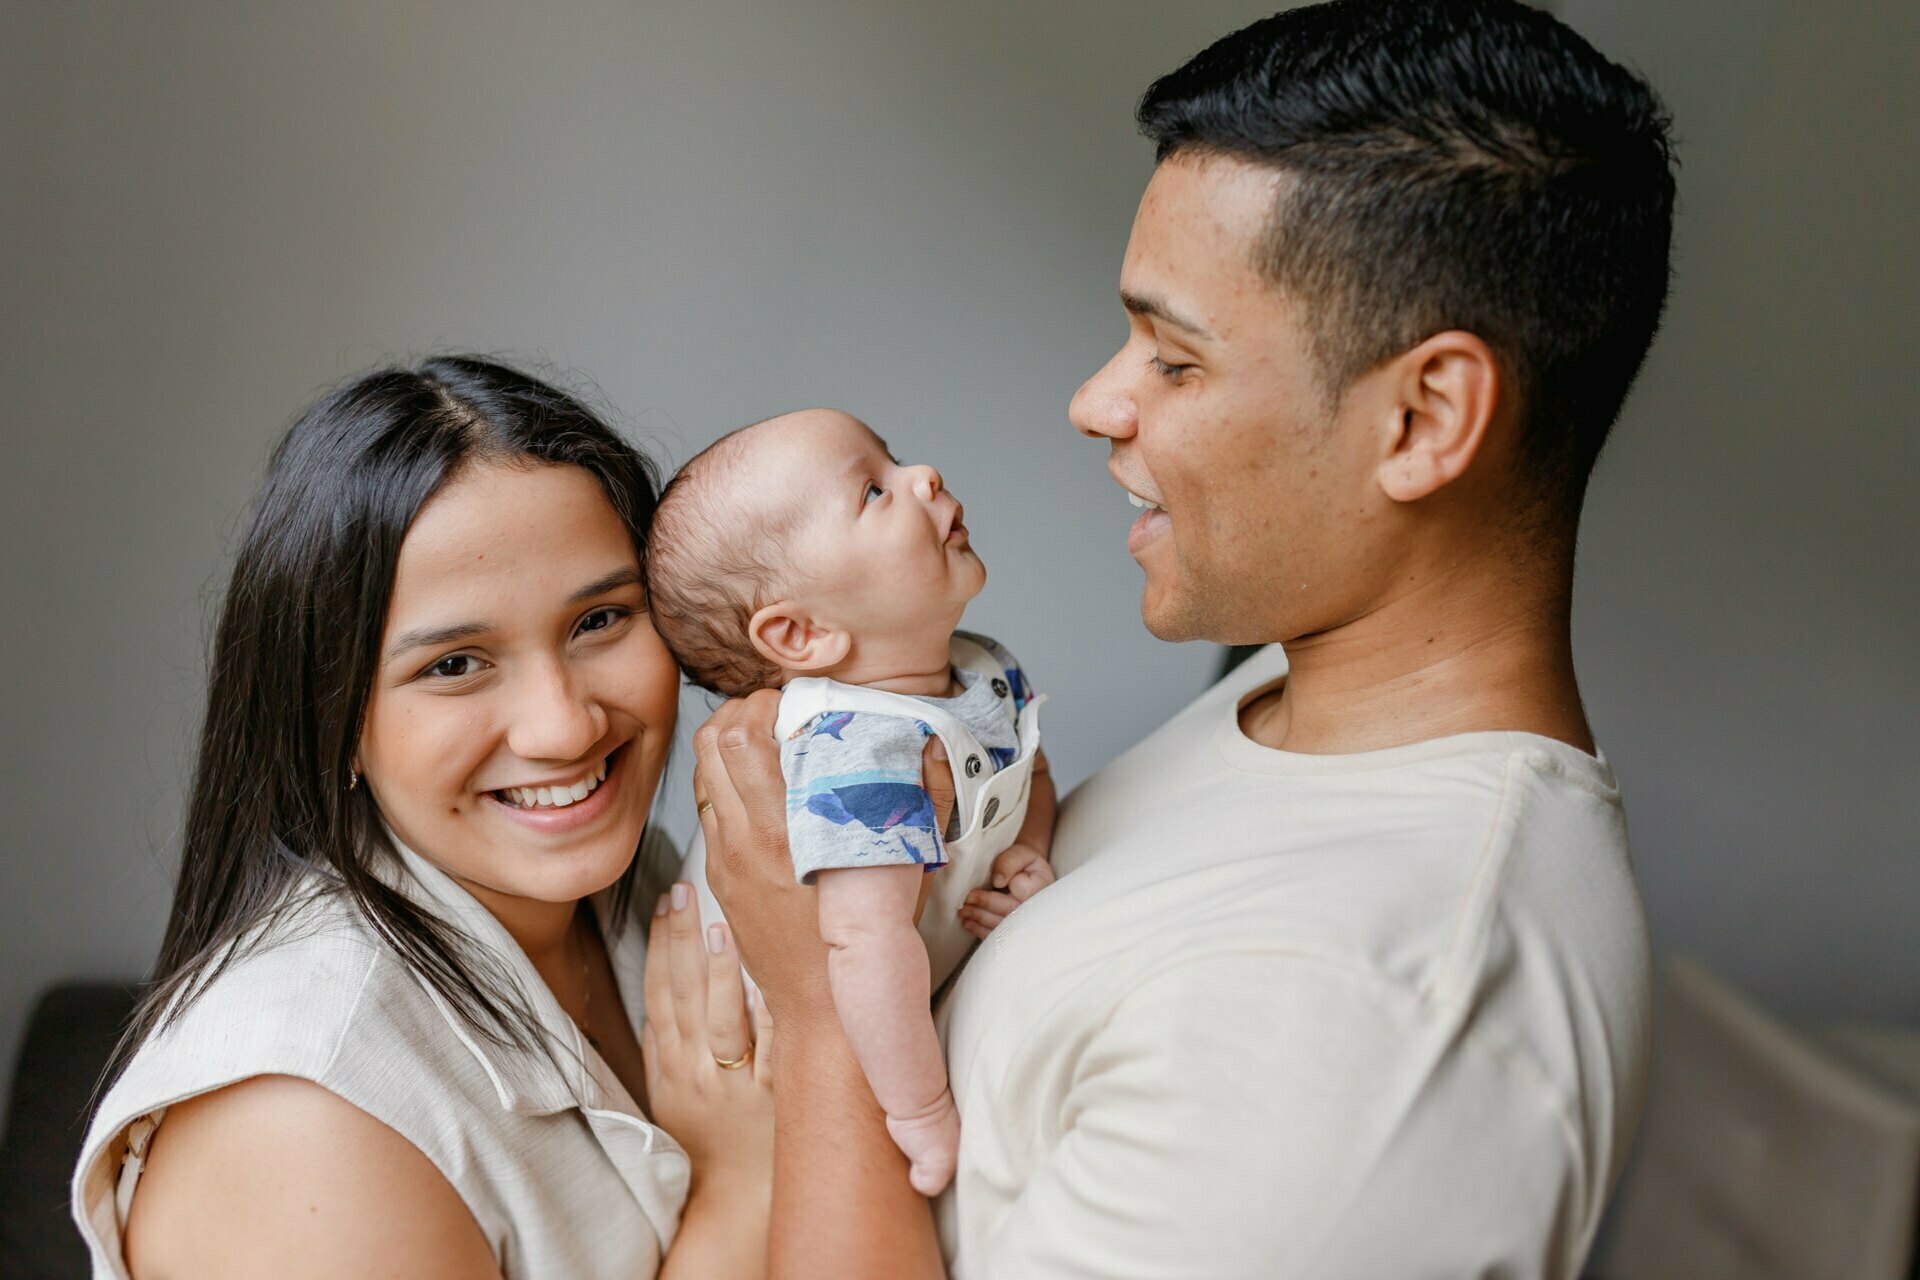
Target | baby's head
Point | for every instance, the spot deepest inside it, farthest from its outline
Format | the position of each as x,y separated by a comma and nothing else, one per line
798,546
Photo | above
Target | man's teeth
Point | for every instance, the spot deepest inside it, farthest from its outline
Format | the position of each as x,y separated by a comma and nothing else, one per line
556,797
1139,501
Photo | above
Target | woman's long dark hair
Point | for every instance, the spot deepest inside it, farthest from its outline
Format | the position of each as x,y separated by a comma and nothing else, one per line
294,659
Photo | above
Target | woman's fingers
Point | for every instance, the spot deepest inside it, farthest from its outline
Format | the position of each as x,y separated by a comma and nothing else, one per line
656,982
728,1034
687,963
936,775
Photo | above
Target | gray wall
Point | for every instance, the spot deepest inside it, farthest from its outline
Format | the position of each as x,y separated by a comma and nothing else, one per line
917,212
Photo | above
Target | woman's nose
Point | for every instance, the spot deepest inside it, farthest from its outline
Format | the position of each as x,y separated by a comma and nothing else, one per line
1102,407
556,717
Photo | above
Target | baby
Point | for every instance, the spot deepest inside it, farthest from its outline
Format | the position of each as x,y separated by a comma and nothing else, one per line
798,554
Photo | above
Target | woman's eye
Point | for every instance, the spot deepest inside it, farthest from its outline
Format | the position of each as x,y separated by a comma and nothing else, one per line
453,666
873,491
600,619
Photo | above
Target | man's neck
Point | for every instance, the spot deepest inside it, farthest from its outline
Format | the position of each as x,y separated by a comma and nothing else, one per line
1449,657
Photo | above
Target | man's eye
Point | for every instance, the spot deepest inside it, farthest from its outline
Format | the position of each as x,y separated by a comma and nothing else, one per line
1165,370
873,491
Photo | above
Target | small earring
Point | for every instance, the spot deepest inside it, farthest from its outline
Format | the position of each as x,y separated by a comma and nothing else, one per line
353,777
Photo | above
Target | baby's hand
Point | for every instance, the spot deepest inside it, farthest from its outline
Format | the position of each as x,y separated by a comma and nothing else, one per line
1018,874
1022,871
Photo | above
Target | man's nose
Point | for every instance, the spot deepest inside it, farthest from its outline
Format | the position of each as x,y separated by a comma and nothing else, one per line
1103,405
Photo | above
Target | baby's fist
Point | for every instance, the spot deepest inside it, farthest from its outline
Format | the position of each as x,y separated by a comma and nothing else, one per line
1022,871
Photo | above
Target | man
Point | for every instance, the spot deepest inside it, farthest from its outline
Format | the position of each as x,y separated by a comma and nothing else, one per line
1345,973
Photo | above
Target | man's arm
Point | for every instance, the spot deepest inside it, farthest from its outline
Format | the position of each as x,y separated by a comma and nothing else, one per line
1275,1116
842,1205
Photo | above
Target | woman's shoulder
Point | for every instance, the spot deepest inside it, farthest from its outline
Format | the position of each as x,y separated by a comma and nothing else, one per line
367,1199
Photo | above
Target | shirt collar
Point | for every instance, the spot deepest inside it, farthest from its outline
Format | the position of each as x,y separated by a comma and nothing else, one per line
529,1081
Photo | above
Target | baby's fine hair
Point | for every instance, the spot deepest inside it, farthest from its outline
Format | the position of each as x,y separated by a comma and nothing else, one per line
713,559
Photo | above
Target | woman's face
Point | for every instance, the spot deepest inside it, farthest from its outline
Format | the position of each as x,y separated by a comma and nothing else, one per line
523,706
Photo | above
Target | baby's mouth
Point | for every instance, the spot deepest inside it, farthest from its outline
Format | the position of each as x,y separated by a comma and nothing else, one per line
556,797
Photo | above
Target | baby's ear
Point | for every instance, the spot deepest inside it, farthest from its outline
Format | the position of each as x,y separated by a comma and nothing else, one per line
784,635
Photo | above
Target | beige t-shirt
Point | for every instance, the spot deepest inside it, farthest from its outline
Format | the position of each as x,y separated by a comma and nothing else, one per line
562,1171
1381,1014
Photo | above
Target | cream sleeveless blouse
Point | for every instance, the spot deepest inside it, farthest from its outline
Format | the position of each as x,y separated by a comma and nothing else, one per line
561,1170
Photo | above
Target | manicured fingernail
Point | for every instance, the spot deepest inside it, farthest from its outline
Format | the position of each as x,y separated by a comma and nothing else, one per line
939,749
660,905
716,939
679,896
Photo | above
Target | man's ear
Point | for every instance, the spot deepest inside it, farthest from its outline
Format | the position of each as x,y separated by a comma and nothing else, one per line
1445,393
787,636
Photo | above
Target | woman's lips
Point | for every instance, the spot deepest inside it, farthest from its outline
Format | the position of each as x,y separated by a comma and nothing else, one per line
574,816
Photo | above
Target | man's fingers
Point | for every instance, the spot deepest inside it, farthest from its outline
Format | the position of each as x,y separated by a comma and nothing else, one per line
936,775
751,757
728,1034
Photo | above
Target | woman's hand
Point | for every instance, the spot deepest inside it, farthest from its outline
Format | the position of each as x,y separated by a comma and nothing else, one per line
743,814
697,1021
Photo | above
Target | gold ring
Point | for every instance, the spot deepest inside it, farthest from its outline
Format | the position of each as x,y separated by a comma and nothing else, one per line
703,807
733,1064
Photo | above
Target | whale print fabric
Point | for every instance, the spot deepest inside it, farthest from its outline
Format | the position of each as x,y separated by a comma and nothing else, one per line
854,794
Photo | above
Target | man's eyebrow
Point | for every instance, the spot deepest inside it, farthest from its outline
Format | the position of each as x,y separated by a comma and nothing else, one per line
424,637
1146,304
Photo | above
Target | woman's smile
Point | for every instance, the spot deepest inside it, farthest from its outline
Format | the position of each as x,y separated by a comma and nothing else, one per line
578,800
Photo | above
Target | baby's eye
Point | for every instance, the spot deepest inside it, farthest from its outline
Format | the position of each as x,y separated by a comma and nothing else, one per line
873,491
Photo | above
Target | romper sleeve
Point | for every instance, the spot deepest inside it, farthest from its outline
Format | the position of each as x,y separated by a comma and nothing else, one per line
854,794
1263,1117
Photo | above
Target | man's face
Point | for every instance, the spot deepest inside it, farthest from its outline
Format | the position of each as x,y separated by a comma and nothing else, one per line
1218,419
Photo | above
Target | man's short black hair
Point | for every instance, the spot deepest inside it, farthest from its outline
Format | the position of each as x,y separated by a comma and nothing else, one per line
1453,164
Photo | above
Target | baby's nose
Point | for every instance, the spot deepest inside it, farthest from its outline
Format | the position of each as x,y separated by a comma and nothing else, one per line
926,482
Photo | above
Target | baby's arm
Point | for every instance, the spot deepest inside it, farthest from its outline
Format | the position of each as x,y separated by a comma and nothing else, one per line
877,967
1022,869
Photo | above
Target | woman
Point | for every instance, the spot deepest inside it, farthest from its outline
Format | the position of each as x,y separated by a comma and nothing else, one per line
405,1020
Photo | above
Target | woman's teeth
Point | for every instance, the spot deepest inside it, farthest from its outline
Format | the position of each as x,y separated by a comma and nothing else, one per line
555,797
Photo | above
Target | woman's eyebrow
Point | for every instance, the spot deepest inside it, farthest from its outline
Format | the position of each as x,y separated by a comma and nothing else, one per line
626,576
422,637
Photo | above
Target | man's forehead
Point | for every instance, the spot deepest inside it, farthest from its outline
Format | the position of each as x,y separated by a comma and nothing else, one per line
1198,231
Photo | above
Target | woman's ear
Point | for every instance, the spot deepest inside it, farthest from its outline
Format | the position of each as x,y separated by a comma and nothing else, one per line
785,635
1445,393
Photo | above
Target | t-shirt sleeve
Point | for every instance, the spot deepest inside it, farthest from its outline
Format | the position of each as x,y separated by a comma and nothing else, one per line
854,794
1271,1117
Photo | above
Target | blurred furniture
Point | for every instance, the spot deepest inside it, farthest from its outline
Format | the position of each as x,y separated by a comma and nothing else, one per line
70,1035
1769,1153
